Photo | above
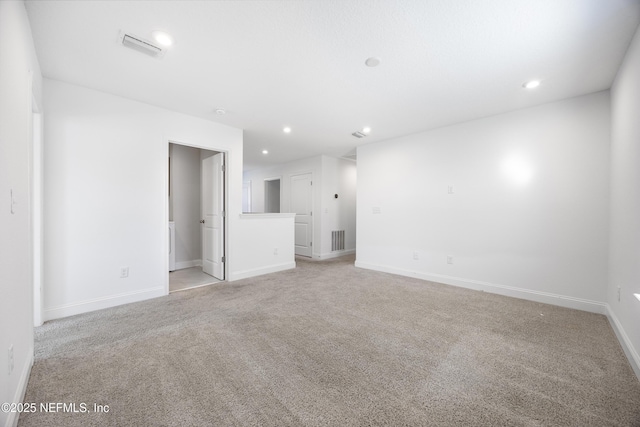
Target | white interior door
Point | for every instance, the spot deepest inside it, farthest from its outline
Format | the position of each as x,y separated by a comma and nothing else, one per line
213,216
301,205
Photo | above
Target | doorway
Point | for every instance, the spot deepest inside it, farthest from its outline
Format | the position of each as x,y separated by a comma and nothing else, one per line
272,195
196,201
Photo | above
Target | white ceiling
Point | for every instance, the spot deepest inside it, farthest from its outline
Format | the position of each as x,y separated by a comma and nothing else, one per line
293,63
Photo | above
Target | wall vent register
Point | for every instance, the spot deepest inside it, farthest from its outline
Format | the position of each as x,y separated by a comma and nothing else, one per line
337,240
141,45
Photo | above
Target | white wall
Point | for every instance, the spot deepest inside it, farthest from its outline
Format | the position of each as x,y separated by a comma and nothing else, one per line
624,259
284,173
20,83
338,177
184,204
311,165
268,240
330,176
106,196
528,216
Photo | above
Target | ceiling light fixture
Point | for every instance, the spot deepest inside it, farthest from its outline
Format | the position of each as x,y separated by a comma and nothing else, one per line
221,111
531,84
366,129
265,152
637,296
374,61
287,129
162,38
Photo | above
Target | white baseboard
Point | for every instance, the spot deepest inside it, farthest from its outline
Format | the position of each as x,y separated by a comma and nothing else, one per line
239,275
336,254
543,297
103,302
510,291
625,342
188,264
12,419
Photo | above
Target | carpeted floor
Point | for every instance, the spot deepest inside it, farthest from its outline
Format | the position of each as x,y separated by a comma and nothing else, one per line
327,344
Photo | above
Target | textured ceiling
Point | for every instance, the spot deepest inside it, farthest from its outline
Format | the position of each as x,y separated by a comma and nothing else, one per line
272,64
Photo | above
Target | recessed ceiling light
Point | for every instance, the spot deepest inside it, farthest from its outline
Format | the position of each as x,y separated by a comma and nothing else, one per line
265,151
286,130
374,61
162,38
531,84
221,111
366,129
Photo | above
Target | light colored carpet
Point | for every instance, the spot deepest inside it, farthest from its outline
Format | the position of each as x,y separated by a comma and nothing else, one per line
327,344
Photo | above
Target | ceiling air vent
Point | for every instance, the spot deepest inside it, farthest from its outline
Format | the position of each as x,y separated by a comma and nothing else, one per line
359,134
141,45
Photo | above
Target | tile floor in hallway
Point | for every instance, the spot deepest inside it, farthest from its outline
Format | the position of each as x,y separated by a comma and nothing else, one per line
188,278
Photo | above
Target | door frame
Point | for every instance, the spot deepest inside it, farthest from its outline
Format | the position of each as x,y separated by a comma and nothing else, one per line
225,189
36,197
265,186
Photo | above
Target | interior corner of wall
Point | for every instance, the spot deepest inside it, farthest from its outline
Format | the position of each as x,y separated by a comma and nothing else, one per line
625,341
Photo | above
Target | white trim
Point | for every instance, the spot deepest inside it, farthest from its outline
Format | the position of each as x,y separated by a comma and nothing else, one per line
625,342
36,184
188,264
21,390
103,302
510,291
336,254
239,275
166,188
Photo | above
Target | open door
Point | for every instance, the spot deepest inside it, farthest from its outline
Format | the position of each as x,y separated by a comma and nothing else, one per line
213,257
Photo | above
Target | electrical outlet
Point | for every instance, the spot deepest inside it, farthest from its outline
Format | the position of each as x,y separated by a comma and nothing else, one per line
275,251
124,272
450,189
618,293
10,359
416,256
449,259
